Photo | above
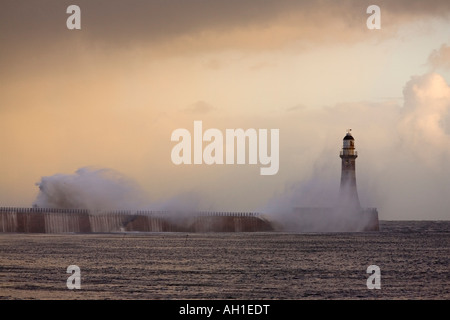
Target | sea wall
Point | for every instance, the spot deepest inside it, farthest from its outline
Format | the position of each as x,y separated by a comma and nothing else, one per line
41,220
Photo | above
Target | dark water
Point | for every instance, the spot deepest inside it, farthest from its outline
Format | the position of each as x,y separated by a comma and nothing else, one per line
413,258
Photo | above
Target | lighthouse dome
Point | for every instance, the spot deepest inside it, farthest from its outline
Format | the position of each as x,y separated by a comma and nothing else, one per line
348,136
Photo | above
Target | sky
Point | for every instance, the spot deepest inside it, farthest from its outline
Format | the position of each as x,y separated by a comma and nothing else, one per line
109,96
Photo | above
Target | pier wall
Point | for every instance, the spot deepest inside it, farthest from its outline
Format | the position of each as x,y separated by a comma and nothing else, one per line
41,220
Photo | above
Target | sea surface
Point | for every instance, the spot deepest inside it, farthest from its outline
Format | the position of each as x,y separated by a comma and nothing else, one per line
413,258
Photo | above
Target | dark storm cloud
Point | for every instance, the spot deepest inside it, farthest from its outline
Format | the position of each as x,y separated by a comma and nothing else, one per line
121,22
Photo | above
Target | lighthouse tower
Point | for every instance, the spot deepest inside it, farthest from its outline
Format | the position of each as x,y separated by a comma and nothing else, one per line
348,194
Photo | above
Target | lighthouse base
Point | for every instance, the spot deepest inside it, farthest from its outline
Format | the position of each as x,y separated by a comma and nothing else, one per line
341,219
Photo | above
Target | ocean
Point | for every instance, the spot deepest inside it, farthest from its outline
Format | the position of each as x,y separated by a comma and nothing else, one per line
412,257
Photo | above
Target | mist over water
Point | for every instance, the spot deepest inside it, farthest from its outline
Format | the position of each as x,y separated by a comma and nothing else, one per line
315,206
103,189
100,190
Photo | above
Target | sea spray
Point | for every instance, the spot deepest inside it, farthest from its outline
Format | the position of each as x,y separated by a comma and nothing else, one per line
89,188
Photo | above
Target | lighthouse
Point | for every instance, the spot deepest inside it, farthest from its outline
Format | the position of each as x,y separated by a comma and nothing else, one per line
346,215
348,193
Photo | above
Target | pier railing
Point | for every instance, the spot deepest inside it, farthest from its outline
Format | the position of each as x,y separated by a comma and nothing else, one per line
129,212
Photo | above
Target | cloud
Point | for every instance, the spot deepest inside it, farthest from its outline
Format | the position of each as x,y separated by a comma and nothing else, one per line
180,27
423,127
440,58
200,107
296,108
261,65
213,64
